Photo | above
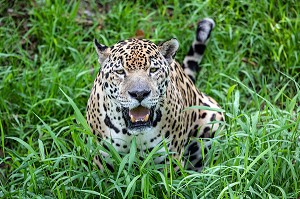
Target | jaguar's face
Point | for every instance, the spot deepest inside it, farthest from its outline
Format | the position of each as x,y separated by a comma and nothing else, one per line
135,76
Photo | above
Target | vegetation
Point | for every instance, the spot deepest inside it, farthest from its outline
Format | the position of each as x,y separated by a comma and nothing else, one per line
48,64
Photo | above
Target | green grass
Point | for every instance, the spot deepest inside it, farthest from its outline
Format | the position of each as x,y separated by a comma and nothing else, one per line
48,64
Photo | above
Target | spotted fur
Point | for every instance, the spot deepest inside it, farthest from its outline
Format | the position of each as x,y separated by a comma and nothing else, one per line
138,73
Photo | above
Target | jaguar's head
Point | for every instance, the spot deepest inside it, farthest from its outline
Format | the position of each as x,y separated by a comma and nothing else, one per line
135,76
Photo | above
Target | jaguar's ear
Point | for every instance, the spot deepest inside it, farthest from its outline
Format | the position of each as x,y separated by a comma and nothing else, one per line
168,49
102,51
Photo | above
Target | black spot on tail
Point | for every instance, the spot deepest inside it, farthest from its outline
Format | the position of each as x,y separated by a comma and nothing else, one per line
200,48
193,65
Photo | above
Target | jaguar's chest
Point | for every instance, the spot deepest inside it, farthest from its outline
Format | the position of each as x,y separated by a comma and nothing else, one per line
145,140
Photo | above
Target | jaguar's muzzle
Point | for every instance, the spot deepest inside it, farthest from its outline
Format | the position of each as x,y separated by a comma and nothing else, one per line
138,118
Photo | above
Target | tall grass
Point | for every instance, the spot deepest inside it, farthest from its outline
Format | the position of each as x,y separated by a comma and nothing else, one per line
48,64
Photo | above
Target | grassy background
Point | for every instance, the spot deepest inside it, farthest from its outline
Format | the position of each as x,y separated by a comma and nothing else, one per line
251,67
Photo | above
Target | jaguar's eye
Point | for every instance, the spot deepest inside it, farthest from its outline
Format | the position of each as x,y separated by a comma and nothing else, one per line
120,71
153,70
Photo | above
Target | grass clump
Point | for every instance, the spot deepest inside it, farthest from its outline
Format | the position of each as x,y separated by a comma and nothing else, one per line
48,64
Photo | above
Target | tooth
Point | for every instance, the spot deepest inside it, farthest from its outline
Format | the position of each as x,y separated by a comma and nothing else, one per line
146,118
132,119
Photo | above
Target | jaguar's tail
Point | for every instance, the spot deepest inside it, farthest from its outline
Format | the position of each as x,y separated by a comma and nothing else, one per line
193,58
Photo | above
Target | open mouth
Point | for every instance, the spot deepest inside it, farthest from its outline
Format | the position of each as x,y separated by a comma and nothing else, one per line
138,118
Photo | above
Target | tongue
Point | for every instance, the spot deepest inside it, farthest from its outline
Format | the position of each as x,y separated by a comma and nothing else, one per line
139,113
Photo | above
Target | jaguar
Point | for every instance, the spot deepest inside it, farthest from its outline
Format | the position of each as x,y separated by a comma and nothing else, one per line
141,92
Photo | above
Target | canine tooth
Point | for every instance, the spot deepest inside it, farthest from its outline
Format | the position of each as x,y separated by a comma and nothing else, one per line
132,119
146,118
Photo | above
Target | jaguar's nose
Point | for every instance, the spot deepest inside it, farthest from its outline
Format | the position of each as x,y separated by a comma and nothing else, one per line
139,95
